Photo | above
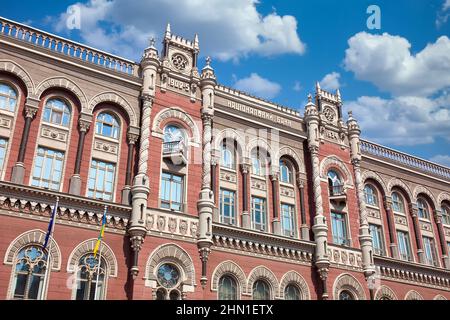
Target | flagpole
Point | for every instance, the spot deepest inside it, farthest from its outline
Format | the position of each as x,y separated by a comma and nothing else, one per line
99,259
47,265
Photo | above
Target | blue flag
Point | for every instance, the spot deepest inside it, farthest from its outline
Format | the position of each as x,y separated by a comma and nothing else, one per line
51,224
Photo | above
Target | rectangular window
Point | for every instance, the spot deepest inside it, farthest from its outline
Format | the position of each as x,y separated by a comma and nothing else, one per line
172,191
227,207
377,239
404,248
259,214
3,146
287,220
101,180
339,229
430,251
47,169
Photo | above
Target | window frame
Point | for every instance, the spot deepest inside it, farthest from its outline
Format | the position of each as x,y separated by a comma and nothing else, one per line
291,217
289,171
91,281
103,190
259,163
379,235
407,242
8,97
429,248
445,215
55,159
232,205
423,211
113,125
4,144
171,182
233,281
263,213
225,148
68,107
401,202
373,195
343,240
266,283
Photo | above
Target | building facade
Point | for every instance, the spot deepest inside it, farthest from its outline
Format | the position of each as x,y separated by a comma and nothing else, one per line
209,192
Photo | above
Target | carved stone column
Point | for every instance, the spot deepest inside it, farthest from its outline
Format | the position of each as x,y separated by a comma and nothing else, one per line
132,138
137,227
18,171
245,168
205,204
84,123
417,233
365,239
442,240
276,223
319,227
391,226
304,229
214,187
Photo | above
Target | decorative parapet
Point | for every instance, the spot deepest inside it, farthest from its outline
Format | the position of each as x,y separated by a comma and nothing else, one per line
171,224
412,273
19,200
345,257
260,245
396,157
56,44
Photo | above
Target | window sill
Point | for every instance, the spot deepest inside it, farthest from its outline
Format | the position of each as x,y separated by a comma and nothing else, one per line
55,126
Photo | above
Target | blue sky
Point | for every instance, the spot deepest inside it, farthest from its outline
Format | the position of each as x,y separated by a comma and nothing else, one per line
395,79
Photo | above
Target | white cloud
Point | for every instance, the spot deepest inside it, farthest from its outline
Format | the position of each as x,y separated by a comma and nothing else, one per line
331,81
258,86
441,159
386,61
402,120
297,86
228,29
443,14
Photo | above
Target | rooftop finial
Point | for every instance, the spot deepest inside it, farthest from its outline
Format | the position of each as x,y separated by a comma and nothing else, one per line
208,61
309,97
350,114
151,42
196,39
168,32
317,85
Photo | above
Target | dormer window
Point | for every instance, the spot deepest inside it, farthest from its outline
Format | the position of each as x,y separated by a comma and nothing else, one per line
107,125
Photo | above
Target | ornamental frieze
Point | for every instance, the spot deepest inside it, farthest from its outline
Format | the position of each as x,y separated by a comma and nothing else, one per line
171,224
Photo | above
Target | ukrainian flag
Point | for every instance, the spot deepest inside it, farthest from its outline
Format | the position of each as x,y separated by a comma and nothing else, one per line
100,236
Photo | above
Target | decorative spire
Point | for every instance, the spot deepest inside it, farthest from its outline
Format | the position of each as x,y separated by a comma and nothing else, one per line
317,86
168,31
196,41
208,64
338,95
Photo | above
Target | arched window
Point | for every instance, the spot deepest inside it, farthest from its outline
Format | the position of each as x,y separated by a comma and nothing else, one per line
397,202
346,295
227,157
334,183
261,290
227,288
286,172
8,97
57,112
446,214
29,273
291,292
422,207
173,133
258,163
107,125
370,195
91,277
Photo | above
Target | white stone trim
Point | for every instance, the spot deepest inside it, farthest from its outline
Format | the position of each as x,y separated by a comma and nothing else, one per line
385,291
421,189
33,237
348,282
368,174
171,253
231,134
413,295
335,162
443,196
288,151
264,273
14,68
293,277
229,268
65,83
116,99
439,297
394,182
259,142
88,246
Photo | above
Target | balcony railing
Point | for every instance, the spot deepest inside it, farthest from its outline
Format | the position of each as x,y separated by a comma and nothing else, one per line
176,151
66,47
337,190
404,159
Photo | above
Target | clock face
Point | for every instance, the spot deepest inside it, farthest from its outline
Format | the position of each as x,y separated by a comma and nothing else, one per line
173,133
168,275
